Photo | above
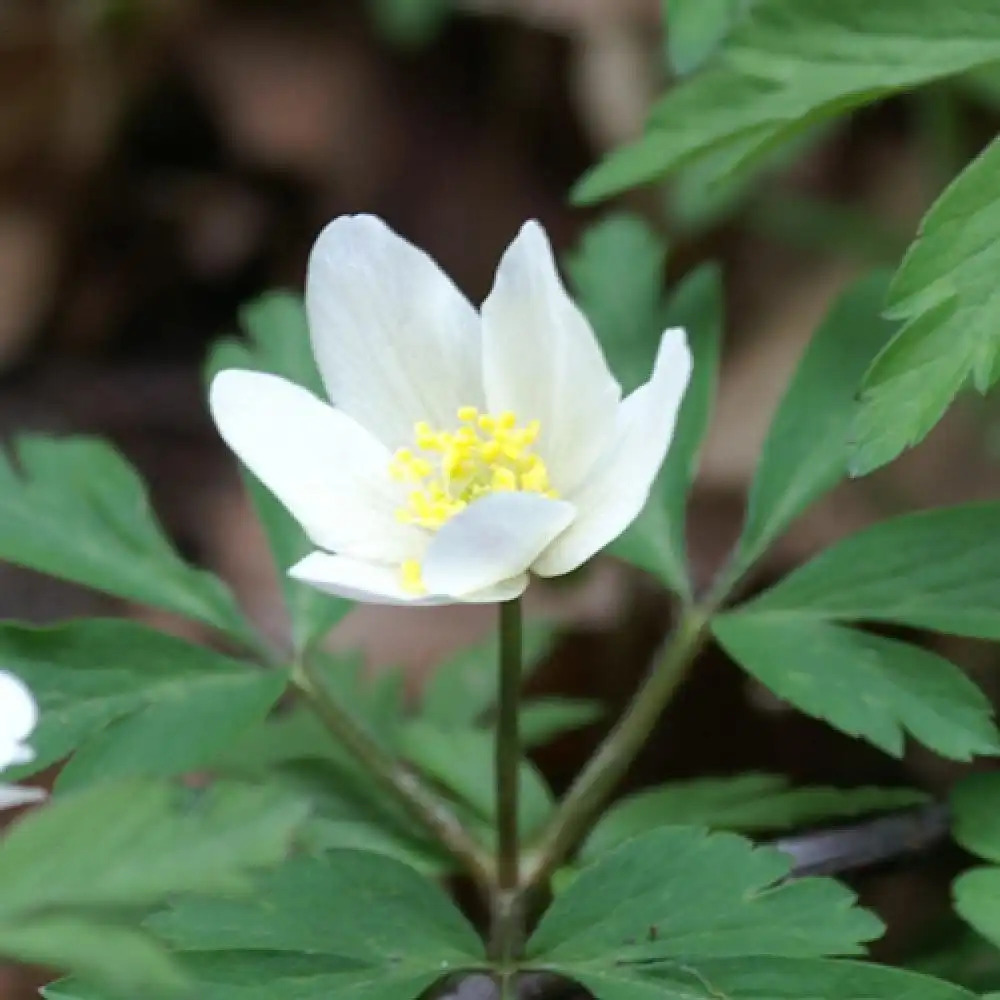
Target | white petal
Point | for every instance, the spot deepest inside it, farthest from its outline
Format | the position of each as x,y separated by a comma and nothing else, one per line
396,342
542,361
615,494
18,717
493,539
14,795
375,584
330,473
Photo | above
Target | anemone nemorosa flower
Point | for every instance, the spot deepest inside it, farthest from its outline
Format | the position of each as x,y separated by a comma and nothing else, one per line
464,449
18,716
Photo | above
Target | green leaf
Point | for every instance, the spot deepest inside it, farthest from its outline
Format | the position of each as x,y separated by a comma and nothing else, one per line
762,979
936,569
378,701
655,541
807,447
394,926
278,976
463,762
791,65
747,802
131,700
279,343
74,872
682,894
617,276
119,959
977,900
345,801
75,509
544,719
463,689
863,684
946,292
975,803
695,29
129,845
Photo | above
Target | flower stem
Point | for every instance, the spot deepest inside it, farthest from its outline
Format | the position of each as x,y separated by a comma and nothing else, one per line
508,745
595,783
426,807
507,909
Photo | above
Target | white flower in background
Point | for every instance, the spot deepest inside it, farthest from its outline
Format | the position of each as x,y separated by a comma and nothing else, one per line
464,449
18,716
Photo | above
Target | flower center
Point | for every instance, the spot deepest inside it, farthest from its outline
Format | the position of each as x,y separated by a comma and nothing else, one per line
451,469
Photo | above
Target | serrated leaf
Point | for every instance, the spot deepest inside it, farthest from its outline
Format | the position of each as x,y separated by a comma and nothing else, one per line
393,925
617,276
863,684
75,509
946,292
264,976
763,979
746,803
463,689
464,763
74,872
118,959
791,65
683,893
936,569
807,447
279,343
130,700
655,541
695,29
132,844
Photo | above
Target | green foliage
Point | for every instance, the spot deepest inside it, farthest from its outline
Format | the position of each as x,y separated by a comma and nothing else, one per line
546,719
734,907
794,64
655,541
976,806
747,803
75,509
619,920
463,689
278,342
75,873
807,446
695,28
463,762
766,979
935,569
864,684
946,292
617,275
130,700
350,924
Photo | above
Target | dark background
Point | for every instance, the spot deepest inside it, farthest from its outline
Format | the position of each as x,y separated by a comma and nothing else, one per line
163,161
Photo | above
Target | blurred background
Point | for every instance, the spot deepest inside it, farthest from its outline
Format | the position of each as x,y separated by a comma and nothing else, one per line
164,161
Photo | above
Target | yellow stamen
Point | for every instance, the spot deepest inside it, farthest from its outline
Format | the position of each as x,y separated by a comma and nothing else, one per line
487,454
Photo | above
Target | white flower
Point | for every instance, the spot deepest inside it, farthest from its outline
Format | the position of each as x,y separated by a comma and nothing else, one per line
18,715
464,449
